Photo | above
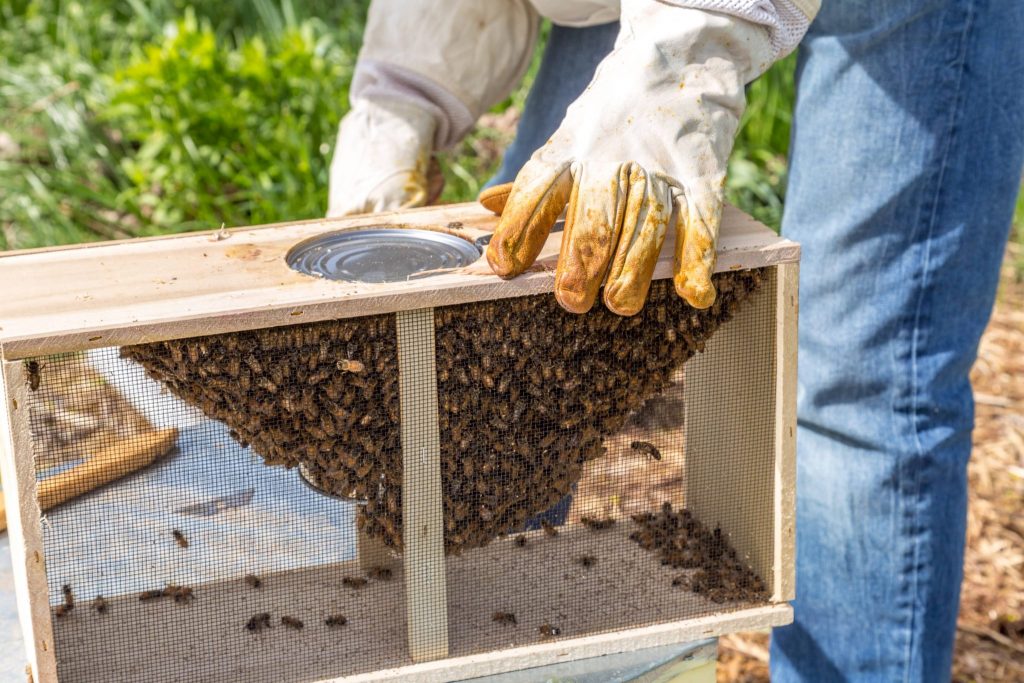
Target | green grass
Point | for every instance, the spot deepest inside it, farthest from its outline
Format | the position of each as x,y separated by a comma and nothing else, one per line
132,118
135,117
1017,239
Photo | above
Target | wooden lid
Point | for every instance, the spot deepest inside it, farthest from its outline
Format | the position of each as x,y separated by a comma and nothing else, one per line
152,289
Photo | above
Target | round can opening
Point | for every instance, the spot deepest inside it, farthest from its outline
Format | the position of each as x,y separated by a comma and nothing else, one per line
310,481
381,254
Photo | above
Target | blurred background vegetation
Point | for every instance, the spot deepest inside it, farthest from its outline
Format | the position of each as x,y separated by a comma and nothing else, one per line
121,118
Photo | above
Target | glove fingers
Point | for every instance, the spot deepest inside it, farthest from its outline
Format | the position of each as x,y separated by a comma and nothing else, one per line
696,235
648,210
494,198
593,223
538,196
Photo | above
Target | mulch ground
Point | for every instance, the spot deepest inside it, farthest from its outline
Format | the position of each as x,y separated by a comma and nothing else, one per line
990,633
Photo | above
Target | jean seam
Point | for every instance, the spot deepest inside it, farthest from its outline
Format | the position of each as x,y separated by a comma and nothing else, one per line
952,129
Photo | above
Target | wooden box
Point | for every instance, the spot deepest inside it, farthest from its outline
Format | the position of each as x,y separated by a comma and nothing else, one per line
446,416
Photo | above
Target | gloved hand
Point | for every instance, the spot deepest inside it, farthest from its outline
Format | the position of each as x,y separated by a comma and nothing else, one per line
381,159
426,71
646,143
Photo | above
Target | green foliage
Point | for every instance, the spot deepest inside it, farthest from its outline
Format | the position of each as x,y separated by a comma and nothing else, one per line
1017,238
93,144
228,134
757,170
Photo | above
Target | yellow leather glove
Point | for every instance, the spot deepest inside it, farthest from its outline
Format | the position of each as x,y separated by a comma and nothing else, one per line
647,143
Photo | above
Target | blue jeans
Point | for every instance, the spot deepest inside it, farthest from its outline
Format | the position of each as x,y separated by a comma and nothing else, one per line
906,157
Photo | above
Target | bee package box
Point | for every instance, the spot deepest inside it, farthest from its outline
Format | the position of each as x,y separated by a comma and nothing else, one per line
218,467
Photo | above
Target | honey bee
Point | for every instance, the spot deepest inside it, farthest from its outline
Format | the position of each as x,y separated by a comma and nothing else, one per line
33,368
354,581
69,596
258,622
62,610
506,618
292,622
336,620
346,365
585,560
100,604
180,538
597,524
646,449
549,529
253,580
521,541
182,594
175,349
254,364
681,581
548,631
146,596
379,573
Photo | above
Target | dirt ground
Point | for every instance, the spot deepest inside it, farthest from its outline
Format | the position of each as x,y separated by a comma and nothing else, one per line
990,634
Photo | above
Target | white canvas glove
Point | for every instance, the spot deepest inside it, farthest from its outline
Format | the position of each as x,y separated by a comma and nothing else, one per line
381,158
426,71
648,141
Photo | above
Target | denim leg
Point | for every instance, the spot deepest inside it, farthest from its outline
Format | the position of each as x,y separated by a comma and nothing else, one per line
906,158
570,59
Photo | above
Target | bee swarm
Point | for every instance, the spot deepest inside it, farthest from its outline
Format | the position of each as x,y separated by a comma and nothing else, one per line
682,542
526,394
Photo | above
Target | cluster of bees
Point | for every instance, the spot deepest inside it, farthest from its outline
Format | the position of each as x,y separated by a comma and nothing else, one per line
99,603
262,620
546,630
682,542
526,394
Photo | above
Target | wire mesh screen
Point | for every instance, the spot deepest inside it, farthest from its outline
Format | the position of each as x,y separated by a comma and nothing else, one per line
238,507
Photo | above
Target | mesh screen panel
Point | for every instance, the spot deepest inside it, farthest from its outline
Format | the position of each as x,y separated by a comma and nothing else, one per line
257,487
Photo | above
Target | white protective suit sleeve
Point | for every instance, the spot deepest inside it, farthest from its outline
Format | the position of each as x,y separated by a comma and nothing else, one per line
455,59
786,20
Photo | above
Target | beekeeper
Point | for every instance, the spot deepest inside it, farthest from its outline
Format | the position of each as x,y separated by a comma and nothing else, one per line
905,159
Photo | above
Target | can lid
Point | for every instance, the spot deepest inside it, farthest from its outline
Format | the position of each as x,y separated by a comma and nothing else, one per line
381,254
310,480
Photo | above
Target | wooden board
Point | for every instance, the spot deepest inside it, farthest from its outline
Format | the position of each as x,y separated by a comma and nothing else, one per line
600,611
730,430
422,502
128,292
19,478
787,312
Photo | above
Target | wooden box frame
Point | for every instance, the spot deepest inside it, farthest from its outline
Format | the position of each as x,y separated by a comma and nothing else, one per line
147,290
